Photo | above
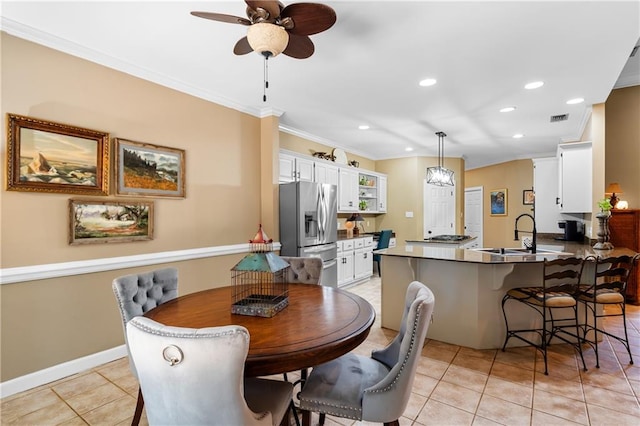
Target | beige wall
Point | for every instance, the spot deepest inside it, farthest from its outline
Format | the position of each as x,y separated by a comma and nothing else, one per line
47,322
514,176
623,143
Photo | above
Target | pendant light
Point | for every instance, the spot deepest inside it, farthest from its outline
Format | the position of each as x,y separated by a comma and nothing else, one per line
440,175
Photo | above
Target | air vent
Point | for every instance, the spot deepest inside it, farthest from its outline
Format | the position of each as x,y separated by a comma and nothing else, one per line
561,117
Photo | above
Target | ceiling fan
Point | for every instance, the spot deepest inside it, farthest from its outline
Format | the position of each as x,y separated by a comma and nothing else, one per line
275,28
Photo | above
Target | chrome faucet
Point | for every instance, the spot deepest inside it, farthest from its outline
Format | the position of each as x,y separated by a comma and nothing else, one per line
534,232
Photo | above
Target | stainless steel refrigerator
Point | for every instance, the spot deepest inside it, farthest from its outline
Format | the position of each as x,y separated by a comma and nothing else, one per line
309,225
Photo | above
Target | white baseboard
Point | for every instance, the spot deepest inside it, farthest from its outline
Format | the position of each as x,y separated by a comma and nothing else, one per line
60,371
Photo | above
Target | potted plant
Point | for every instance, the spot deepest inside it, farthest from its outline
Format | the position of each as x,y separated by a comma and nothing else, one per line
603,222
605,206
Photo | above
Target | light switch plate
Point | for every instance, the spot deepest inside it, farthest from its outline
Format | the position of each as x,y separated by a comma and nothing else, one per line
408,214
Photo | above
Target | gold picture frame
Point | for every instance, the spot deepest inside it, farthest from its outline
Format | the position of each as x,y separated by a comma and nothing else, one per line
95,222
147,170
44,156
528,197
498,202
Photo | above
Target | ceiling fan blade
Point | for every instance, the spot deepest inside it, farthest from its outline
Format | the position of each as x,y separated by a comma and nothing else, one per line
222,17
242,47
271,6
309,18
299,47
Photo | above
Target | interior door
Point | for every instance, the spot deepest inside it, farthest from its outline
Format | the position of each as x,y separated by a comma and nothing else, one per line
439,210
473,214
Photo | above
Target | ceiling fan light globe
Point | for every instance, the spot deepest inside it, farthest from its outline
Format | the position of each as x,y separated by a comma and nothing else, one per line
266,37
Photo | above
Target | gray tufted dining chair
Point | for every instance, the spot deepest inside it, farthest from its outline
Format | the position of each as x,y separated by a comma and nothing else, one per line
195,376
138,293
304,270
376,388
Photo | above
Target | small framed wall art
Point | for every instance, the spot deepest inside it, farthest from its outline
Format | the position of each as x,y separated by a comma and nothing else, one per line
143,169
92,222
528,197
43,156
498,202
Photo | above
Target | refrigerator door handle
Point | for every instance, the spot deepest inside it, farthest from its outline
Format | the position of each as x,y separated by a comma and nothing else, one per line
321,213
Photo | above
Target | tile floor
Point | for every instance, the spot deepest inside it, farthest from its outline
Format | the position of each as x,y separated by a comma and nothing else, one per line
453,386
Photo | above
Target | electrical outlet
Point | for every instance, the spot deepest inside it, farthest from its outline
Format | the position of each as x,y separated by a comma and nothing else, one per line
368,223
408,214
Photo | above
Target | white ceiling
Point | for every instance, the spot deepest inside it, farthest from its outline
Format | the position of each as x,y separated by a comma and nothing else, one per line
366,68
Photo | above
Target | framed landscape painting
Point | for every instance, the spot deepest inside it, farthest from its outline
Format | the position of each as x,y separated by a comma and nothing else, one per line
499,202
43,156
144,169
109,221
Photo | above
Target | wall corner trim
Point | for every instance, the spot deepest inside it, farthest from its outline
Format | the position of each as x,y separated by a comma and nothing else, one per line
64,269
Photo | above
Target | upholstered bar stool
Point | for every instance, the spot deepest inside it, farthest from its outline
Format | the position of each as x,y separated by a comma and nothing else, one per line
555,302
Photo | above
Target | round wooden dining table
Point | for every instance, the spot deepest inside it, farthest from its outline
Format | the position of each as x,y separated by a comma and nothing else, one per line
320,324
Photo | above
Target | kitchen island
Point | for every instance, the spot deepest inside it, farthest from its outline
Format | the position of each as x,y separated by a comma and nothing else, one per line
468,285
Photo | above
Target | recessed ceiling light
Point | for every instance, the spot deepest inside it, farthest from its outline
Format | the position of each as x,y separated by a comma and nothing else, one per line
575,101
408,149
534,85
518,136
508,109
428,82
363,127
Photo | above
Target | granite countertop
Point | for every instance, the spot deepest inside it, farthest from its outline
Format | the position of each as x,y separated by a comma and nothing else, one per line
561,249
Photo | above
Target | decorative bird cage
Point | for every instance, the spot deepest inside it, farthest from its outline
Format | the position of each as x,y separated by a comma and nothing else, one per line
259,286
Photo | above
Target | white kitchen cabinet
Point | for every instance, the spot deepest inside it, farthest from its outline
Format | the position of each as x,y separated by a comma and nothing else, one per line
574,176
355,260
363,258
293,168
326,173
347,190
373,194
345,262
545,187
382,194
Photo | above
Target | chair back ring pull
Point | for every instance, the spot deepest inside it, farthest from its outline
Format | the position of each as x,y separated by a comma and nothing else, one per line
173,355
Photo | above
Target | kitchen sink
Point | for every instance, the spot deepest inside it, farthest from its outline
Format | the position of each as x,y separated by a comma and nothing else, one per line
520,252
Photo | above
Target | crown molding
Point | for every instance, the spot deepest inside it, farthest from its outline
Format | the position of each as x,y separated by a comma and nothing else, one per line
37,36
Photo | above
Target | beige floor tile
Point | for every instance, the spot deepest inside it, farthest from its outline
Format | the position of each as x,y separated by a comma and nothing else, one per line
486,354
112,412
604,416
512,374
622,403
115,370
21,405
77,421
521,357
424,385
95,398
52,414
481,421
539,418
473,363
606,381
414,406
509,391
466,378
504,412
567,388
79,385
431,367
560,406
438,413
457,396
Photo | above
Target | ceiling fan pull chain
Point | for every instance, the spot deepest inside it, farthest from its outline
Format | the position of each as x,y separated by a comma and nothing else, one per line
266,78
